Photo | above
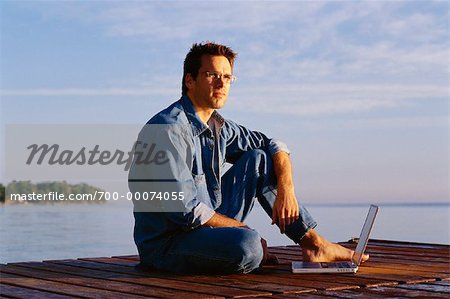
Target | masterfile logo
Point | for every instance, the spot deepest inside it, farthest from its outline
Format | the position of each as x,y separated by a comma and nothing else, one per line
82,152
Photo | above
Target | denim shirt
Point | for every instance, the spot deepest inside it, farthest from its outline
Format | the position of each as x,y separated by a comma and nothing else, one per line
196,158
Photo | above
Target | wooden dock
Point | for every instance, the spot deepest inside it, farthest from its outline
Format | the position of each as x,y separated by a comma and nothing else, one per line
395,269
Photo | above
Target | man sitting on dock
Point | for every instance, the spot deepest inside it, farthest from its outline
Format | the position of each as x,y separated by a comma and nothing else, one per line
209,235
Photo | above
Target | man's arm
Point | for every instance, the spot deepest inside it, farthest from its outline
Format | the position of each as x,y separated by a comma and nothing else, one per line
285,210
219,220
240,140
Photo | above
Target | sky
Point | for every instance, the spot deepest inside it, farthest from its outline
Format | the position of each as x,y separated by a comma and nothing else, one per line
358,90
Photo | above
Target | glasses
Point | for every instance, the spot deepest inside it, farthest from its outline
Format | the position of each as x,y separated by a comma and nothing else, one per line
226,78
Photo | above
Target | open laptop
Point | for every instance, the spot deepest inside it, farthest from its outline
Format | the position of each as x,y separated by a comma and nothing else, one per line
342,267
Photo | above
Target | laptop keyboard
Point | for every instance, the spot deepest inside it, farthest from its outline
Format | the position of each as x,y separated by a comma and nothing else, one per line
337,265
344,265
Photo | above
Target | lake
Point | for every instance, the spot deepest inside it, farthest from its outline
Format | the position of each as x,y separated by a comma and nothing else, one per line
41,232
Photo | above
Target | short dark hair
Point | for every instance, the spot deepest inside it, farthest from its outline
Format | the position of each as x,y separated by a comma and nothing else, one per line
193,60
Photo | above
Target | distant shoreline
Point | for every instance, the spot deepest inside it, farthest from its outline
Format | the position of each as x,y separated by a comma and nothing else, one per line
10,202
382,204
50,192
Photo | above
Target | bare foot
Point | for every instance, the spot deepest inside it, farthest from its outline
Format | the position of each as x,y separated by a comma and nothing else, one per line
315,248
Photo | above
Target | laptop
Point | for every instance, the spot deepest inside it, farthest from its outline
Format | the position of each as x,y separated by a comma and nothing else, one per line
346,266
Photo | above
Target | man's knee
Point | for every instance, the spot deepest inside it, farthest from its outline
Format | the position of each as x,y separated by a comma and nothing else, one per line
249,251
260,161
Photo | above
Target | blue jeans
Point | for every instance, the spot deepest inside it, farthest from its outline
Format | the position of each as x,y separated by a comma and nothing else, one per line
231,249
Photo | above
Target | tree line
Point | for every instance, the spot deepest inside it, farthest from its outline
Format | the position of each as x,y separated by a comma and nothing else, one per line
27,187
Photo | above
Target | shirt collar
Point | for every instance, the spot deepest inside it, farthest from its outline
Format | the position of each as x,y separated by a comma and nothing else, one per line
197,125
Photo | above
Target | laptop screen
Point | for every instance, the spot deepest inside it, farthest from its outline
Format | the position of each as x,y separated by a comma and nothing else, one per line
364,236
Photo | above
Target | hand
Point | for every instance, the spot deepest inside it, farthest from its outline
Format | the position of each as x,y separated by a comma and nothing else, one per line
218,220
285,209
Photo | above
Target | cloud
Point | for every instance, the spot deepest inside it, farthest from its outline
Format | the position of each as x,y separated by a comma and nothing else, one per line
87,92
288,99
329,99
314,58
412,122
174,20
295,41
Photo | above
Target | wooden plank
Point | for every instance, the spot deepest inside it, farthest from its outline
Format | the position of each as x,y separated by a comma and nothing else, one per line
411,259
315,295
438,256
387,264
392,243
405,290
134,258
23,292
442,258
124,282
390,266
131,256
248,277
381,292
427,287
407,249
109,260
95,283
267,286
442,252
346,279
98,266
243,284
423,265
351,294
393,271
404,259
294,281
382,279
219,291
301,282
60,288
115,265
442,283
396,291
396,277
388,279
402,247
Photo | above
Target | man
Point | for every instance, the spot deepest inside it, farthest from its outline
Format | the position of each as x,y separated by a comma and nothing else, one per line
208,233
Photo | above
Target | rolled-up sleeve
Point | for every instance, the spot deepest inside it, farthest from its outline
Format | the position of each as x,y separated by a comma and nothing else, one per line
240,139
276,146
201,214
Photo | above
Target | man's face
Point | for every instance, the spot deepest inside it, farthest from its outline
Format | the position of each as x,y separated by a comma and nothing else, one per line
207,92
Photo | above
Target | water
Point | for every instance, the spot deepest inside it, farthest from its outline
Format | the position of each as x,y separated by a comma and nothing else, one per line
42,232
416,223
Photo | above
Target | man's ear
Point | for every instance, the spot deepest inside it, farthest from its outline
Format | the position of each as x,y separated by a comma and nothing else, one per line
189,81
